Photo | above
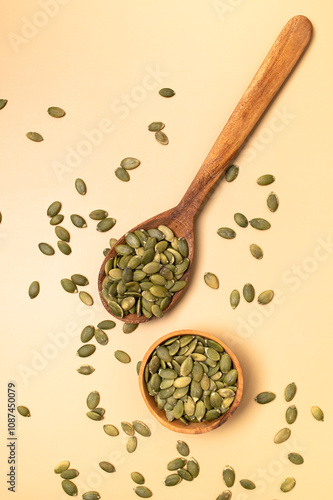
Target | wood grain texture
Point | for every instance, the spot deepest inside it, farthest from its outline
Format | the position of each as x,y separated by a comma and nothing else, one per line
273,72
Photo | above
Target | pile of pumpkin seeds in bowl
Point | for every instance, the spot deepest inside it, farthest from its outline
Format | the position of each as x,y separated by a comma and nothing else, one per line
145,274
191,378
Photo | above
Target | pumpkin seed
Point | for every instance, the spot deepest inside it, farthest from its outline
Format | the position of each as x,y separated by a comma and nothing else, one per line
78,221
282,435
137,477
62,466
130,163
100,411
228,475
122,174
161,137
247,484
86,350
193,467
105,224
156,126
176,464
131,444
57,219
68,285
138,366
129,327
143,492
86,298
265,297
172,480
288,484
3,103
231,173
85,370
24,411
291,414
184,474
64,247
256,251
226,232
230,377
110,430
259,223
141,428
265,397
62,233
45,248
241,220
35,136
272,202
87,333
94,415
34,289
91,495
290,391
248,292
127,428
211,280
296,458
183,448
98,214
69,487
167,92
56,112
317,413
225,495
80,186
107,466
122,356
93,400
101,337
265,180
115,309
54,209
69,474
79,279
234,298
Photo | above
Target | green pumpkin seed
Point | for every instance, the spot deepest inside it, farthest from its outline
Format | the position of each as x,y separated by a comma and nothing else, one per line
69,474
266,297
137,477
184,474
34,289
129,327
110,430
231,173
193,467
98,214
141,428
248,292
62,466
91,495
57,219
231,377
162,138
128,428
234,298
226,232
265,180
247,484
106,324
167,92
272,202
86,350
64,247
296,458
122,356
156,126
34,136
23,411
93,400
183,247
86,298
78,221
107,467
241,220
256,251
46,249
290,391
288,484
225,495
94,415
212,415
56,112
138,366
131,444
85,370
211,280
3,103
183,448
62,233
291,414
317,413
101,337
68,285
79,279
87,333
143,492
105,224
177,463
54,209
130,163
282,435
259,223
229,476
80,186
122,174
172,480
115,309
69,487
265,397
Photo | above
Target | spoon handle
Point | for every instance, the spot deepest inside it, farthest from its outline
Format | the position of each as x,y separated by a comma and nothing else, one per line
274,70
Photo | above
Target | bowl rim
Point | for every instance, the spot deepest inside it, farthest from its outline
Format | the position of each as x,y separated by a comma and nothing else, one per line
176,425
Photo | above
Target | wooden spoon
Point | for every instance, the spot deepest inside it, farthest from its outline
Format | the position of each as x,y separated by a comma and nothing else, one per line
276,67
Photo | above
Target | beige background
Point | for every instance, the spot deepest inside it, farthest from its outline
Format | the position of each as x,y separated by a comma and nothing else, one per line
104,64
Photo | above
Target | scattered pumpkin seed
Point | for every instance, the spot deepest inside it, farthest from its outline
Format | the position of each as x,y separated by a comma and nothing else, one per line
122,174
62,466
86,298
34,289
248,292
290,391
79,279
193,467
288,484
234,298
91,495
156,126
69,487
35,136
85,370
291,414
122,356
106,324
176,464
94,415
272,202
167,92
138,366
98,214
105,224
265,180
141,428
143,492
57,219
229,476
130,163
62,233
101,337
68,285
107,466
64,247
295,458
247,484
110,430
3,103
241,220
317,413
259,223
225,495
226,232
131,444
129,327
162,138
265,297
137,477
24,411
46,249
211,280
87,333
265,397
256,251
172,480
93,400
183,448
184,474
86,350
231,173
80,186
54,209
78,221
69,474
56,112
282,435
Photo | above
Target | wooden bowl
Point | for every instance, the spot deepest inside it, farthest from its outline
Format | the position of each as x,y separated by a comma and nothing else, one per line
177,425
